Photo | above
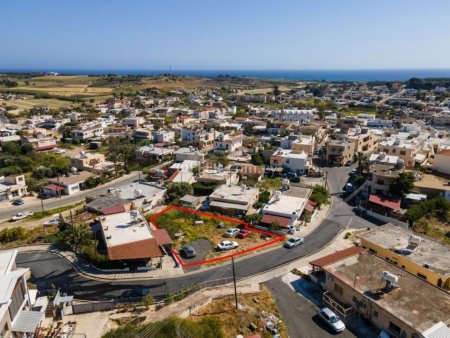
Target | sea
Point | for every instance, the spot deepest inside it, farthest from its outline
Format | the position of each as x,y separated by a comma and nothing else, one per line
360,75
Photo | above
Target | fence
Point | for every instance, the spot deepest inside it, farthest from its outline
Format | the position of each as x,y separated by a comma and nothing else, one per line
93,306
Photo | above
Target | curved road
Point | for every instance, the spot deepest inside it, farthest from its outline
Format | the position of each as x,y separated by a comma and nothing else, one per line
48,268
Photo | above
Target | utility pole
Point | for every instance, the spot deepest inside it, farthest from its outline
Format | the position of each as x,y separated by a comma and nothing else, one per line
59,191
73,231
234,282
42,200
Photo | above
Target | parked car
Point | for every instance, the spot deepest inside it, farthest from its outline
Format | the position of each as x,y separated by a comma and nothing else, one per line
244,233
43,196
349,163
188,251
290,229
293,241
349,187
135,293
354,171
21,215
227,245
54,221
18,201
332,319
231,232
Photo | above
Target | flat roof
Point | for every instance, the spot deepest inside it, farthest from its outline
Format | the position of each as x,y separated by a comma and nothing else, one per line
122,229
429,251
147,190
72,179
432,182
420,310
234,193
285,204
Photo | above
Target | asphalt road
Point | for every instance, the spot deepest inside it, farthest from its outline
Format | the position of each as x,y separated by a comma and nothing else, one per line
48,268
6,213
300,315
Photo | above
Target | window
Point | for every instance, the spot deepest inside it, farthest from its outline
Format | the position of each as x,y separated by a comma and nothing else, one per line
17,299
338,289
421,276
375,314
402,152
394,328
373,251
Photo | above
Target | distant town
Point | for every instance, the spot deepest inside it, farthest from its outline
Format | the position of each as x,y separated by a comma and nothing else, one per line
141,206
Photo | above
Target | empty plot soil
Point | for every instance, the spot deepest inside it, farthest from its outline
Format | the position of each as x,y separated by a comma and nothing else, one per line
255,308
185,226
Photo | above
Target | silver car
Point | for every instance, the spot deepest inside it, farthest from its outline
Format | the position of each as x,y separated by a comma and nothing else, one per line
293,241
332,319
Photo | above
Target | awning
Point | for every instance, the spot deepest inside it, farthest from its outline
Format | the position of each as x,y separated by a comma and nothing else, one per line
385,202
226,205
53,187
282,221
162,237
27,321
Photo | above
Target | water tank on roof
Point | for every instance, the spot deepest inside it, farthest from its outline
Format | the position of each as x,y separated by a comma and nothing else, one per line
390,278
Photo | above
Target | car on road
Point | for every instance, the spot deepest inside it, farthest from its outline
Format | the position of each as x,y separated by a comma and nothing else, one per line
227,245
293,241
332,319
21,215
135,293
54,221
243,233
188,251
231,232
18,201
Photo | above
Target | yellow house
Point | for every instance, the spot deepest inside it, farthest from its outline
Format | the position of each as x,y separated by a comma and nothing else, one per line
417,254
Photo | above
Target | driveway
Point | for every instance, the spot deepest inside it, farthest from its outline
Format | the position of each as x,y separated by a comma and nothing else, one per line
299,314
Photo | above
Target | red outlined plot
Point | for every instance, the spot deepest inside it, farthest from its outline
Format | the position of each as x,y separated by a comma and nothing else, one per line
276,238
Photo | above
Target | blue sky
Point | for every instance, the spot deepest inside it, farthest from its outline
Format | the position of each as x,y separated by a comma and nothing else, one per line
225,34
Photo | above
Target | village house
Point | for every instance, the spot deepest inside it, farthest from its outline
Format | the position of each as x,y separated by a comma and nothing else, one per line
233,200
283,209
227,143
87,131
298,163
93,162
153,154
67,185
12,187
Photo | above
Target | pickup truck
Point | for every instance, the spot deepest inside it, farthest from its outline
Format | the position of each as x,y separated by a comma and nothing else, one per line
21,215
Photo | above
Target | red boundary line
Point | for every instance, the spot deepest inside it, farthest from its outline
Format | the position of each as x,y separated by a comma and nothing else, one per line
278,238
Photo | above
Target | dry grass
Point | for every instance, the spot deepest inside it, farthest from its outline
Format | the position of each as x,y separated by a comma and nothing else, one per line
30,103
235,321
434,228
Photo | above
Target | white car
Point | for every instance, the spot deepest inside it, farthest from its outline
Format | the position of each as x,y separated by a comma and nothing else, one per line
293,241
231,232
54,221
21,215
332,319
227,245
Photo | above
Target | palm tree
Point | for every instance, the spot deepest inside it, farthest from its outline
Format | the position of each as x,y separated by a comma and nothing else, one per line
79,236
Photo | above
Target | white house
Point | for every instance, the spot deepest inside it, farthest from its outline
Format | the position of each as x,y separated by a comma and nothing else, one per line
227,143
441,161
164,136
285,210
294,162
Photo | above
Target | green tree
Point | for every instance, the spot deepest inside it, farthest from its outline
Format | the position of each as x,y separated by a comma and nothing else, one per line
11,148
361,159
320,195
178,190
257,159
276,90
402,184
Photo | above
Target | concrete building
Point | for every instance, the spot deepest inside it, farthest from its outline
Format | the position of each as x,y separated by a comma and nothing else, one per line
298,143
133,122
380,178
384,294
233,200
197,137
21,311
366,141
93,162
67,185
128,237
441,161
87,131
188,153
419,255
41,143
298,163
12,187
283,209
227,143
302,116
339,152
164,136
153,154
142,134
432,186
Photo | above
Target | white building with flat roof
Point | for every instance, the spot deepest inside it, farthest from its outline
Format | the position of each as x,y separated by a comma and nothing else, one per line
285,210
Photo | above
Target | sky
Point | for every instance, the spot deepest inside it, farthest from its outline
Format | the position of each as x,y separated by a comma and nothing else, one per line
224,34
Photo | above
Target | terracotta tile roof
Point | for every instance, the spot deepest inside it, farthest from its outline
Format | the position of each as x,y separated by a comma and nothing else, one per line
337,256
113,210
162,236
310,206
268,219
53,187
390,203
445,152
147,248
